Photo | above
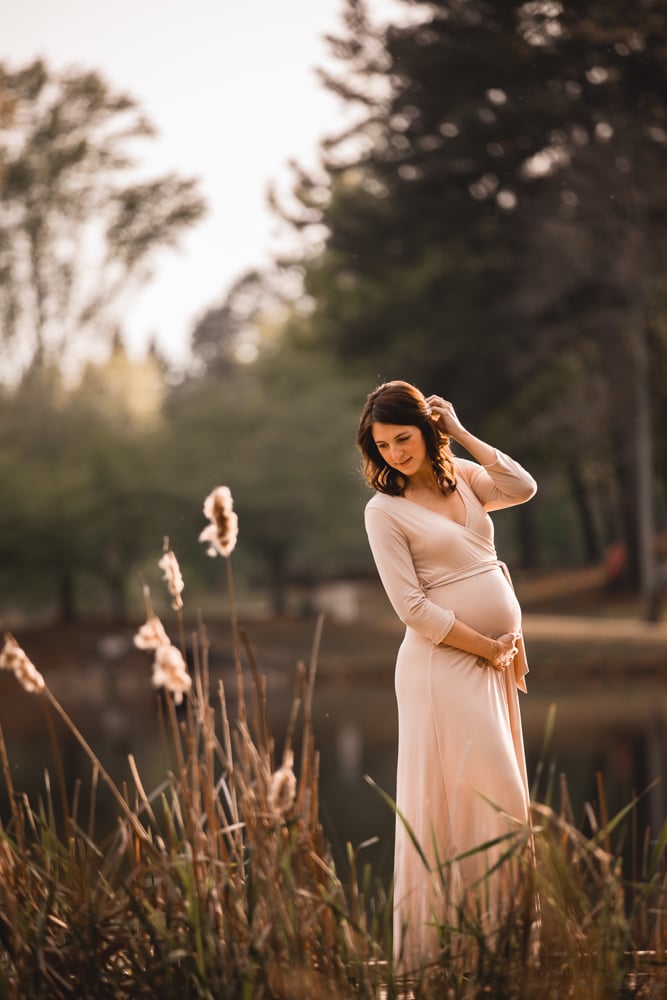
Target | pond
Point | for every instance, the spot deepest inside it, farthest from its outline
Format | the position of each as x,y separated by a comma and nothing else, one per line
612,726
620,734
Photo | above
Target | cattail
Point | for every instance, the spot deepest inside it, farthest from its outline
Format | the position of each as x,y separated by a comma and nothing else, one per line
172,574
283,786
222,532
151,635
12,657
170,671
169,668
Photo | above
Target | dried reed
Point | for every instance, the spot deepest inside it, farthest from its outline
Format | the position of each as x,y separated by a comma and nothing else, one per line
219,883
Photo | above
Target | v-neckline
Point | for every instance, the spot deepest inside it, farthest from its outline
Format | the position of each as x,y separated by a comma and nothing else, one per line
460,524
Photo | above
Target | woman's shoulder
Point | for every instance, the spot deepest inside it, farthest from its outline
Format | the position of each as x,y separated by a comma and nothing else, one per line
386,504
386,517
465,468
381,501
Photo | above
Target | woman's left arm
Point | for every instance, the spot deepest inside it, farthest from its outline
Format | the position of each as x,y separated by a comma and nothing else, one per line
498,481
444,415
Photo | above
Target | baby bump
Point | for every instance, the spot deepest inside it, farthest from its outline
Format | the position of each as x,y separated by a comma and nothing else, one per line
485,601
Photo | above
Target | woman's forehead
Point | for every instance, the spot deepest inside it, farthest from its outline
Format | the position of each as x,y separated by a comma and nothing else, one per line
387,432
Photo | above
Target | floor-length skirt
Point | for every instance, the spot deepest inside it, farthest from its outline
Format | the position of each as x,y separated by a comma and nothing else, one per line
461,776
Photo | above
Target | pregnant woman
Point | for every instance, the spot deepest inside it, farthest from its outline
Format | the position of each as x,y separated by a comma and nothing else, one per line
460,746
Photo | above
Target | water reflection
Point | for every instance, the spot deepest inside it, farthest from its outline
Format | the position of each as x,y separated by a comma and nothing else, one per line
619,734
619,731
349,751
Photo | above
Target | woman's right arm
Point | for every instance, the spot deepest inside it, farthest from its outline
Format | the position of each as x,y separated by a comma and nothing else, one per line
498,653
395,567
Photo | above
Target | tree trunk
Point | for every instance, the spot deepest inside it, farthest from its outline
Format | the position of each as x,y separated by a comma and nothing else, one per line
118,598
626,479
278,582
584,508
623,437
644,471
527,537
66,600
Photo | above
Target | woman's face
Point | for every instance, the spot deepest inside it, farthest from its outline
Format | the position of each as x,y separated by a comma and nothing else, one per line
401,445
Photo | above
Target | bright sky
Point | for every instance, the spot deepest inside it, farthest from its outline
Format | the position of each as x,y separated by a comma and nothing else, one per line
231,87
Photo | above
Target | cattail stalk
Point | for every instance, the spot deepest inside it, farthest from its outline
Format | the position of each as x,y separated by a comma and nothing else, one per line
90,753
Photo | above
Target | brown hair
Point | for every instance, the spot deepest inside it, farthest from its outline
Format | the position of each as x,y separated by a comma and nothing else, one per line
401,403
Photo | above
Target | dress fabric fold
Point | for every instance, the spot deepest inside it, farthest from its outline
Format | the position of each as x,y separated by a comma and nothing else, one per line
460,744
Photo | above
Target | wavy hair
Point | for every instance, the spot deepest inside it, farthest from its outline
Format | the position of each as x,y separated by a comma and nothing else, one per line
402,403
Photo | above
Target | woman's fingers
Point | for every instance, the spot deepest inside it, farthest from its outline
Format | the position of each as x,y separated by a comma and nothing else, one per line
443,413
508,650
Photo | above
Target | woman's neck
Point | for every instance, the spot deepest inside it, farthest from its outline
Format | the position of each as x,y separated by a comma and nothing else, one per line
423,479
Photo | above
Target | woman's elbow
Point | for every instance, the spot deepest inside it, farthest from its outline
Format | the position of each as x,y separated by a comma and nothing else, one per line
525,488
530,490
414,614
524,491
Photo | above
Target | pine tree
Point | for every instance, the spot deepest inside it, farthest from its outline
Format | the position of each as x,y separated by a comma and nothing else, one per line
494,223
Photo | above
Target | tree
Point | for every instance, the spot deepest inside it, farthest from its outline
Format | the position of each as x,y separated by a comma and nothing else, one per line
422,195
86,490
253,311
280,433
78,225
592,254
496,217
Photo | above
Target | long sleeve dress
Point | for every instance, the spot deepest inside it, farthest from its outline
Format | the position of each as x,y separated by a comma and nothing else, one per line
460,745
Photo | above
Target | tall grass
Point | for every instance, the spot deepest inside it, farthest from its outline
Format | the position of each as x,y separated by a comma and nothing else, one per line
219,883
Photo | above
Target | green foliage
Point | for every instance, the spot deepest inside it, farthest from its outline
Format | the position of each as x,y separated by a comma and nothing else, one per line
94,477
494,225
280,433
81,495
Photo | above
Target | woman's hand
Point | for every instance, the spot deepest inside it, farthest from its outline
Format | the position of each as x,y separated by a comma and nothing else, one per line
506,650
444,416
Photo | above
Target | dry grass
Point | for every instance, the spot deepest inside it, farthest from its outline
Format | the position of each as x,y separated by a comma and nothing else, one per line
220,884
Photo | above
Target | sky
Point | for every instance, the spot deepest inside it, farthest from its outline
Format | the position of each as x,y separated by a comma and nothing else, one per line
231,87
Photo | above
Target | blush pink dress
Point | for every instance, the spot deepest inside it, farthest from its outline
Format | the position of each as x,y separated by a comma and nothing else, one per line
460,745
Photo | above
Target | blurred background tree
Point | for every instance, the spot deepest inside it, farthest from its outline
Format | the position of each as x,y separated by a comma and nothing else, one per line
84,491
279,431
491,225
78,226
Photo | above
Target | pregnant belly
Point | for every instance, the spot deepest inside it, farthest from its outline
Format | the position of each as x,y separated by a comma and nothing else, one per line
486,602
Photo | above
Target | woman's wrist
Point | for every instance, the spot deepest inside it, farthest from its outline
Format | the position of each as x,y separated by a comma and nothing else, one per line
485,454
492,650
484,647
